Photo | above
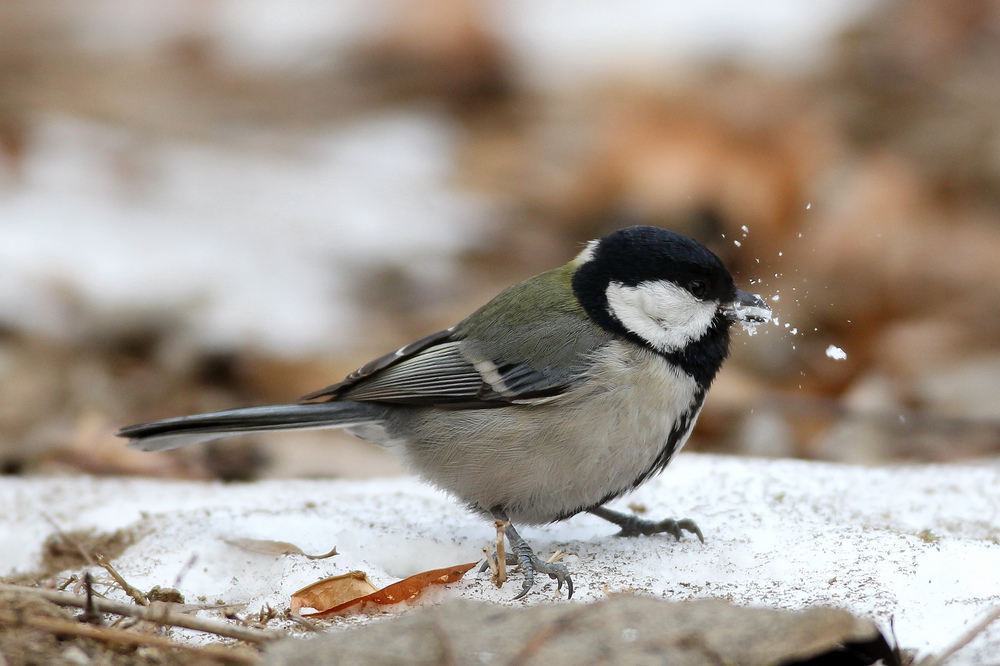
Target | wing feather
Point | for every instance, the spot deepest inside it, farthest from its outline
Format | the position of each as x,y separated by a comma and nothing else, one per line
437,374
371,368
499,356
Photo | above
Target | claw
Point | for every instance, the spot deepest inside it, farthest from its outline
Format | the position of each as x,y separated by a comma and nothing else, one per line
690,526
559,573
530,563
510,557
529,581
633,526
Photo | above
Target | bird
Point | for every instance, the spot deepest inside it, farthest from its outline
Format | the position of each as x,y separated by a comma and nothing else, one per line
559,395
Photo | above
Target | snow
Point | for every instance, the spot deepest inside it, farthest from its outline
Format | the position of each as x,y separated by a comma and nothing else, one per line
836,353
918,544
559,44
219,234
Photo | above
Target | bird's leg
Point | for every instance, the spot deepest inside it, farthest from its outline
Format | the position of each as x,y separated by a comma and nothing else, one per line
633,526
530,563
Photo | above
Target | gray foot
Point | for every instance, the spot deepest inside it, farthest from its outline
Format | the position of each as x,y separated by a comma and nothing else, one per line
633,526
510,557
530,563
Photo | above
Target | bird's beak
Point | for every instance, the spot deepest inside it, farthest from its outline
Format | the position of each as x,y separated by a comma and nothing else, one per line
748,308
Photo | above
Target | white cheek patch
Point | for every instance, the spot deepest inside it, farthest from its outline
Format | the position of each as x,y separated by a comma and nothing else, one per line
661,313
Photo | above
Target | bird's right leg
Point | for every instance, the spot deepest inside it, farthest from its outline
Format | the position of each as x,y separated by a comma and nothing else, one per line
531,563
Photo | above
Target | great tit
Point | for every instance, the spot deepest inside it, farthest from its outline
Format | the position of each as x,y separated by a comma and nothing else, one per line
561,394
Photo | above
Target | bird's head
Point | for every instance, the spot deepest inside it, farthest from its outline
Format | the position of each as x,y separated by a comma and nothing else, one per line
659,287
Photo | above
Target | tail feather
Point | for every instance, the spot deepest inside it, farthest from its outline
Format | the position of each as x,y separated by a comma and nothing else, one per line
186,430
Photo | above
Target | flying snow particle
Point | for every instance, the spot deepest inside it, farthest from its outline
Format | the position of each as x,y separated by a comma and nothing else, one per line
836,353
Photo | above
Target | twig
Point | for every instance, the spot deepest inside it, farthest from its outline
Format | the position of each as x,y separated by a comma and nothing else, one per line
490,562
71,542
90,614
938,659
501,573
139,597
158,612
184,570
298,619
109,635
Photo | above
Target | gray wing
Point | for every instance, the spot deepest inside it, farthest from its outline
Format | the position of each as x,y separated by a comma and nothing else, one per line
436,375
447,371
365,372
507,352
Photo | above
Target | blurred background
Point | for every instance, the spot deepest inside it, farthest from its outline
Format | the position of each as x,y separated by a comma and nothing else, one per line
214,203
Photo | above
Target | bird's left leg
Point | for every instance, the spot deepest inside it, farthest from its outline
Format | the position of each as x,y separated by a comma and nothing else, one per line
530,563
633,526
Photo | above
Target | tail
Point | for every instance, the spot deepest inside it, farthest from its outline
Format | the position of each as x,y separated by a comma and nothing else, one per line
186,430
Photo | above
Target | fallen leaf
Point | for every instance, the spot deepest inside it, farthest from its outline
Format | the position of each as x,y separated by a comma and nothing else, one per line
268,547
333,592
405,590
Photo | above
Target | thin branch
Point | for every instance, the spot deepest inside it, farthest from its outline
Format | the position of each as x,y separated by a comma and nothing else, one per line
184,570
139,597
90,614
109,635
307,624
491,563
501,573
158,613
70,541
938,659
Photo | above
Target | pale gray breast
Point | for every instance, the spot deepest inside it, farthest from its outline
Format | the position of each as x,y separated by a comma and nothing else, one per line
548,461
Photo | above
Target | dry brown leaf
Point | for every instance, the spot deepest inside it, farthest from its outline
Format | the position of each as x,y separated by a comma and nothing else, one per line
333,592
405,590
268,547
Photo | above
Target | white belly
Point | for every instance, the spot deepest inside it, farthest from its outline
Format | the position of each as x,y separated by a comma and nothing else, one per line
548,461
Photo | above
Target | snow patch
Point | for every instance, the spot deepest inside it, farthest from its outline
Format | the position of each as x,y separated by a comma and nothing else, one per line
911,542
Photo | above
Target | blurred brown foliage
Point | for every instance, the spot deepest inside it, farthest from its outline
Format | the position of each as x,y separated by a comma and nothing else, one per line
865,196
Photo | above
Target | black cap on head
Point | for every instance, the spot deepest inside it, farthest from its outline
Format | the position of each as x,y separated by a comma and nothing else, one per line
639,254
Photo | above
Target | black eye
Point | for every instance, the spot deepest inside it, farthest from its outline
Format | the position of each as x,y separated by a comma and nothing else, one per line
698,287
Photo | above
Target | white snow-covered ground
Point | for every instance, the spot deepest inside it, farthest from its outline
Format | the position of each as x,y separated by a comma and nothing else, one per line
253,242
920,544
